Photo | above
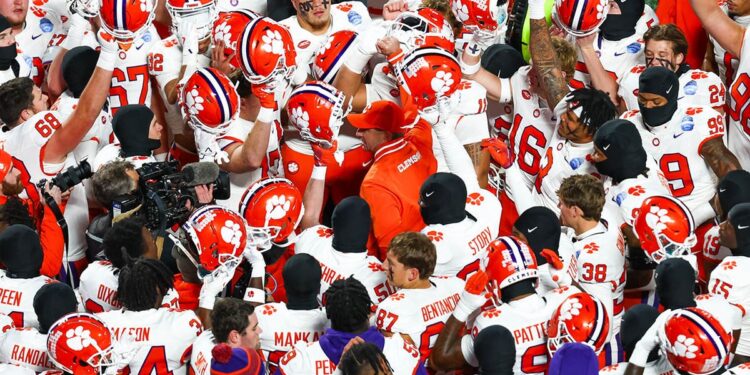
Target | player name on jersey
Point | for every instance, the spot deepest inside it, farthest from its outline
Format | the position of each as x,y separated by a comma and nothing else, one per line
10,297
291,338
30,356
440,308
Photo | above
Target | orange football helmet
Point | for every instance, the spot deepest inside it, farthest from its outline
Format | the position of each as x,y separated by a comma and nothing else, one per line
209,101
218,235
665,227
317,110
508,261
329,57
227,29
476,16
266,51
580,17
272,208
694,341
200,13
80,344
579,318
430,75
424,28
126,20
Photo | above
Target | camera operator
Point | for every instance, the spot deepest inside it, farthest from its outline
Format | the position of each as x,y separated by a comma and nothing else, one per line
112,180
138,134
14,210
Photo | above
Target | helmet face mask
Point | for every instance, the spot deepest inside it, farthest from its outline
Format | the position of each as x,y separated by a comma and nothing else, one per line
414,30
201,18
86,8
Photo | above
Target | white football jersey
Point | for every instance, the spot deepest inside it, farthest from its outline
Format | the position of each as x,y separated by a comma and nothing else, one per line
257,6
270,167
532,126
98,289
526,319
310,359
676,146
658,367
17,299
730,279
383,86
349,15
164,337
601,267
725,61
420,313
33,40
25,347
111,152
561,160
712,250
131,81
738,134
617,57
26,142
697,88
97,136
335,265
460,245
9,369
282,329
629,194
200,357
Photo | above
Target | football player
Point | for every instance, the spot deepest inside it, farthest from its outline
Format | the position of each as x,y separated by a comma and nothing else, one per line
614,49
687,144
341,249
21,253
730,35
127,240
728,278
462,218
165,336
101,355
131,80
41,144
532,120
137,133
27,347
729,193
348,308
298,321
10,67
666,46
510,272
233,322
423,303
722,62
600,248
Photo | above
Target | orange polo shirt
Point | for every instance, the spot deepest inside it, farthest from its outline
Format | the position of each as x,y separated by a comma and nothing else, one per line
391,186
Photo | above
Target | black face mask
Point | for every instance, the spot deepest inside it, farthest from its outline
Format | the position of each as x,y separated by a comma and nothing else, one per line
7,56
351,225
131,126
620,142
660,81
620,26
656,116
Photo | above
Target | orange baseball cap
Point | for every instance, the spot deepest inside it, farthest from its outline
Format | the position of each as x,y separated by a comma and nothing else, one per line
6,163
382,115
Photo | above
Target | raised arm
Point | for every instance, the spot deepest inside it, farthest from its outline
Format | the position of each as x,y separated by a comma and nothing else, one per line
728,33
600,79
543,55
69,135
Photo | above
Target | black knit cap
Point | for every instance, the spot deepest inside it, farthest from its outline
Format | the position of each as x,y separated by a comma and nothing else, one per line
502,60
733,189
442,199
52,302
739,217
542,230
351,222
620,141
21,252
495,350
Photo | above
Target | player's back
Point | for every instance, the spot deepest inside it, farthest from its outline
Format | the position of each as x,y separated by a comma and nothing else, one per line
335,265
25,347
527,320
731,280
98,287
420,313
26,143
165,337
17,299
200,355
283,328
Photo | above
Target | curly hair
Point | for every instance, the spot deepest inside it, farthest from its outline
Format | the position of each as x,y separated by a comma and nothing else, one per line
347,305
124,242
14,211
596,107
362,357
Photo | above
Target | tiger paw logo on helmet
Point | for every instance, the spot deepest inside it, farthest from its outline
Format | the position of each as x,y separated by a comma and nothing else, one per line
194,102
224,33
272,42
277,207
231,232
300,117
442,82
571,307
657,218
460,11
685,347
145,6
78,338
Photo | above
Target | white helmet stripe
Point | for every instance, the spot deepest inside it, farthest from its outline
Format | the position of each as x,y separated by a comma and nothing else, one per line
120,12
580,8
219,93
598,321
709,330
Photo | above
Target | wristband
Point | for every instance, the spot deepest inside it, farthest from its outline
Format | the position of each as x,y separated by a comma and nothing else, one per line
206,302
470,69
506,94
537,10
265,115
106,61
319,173
254,295
356,60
